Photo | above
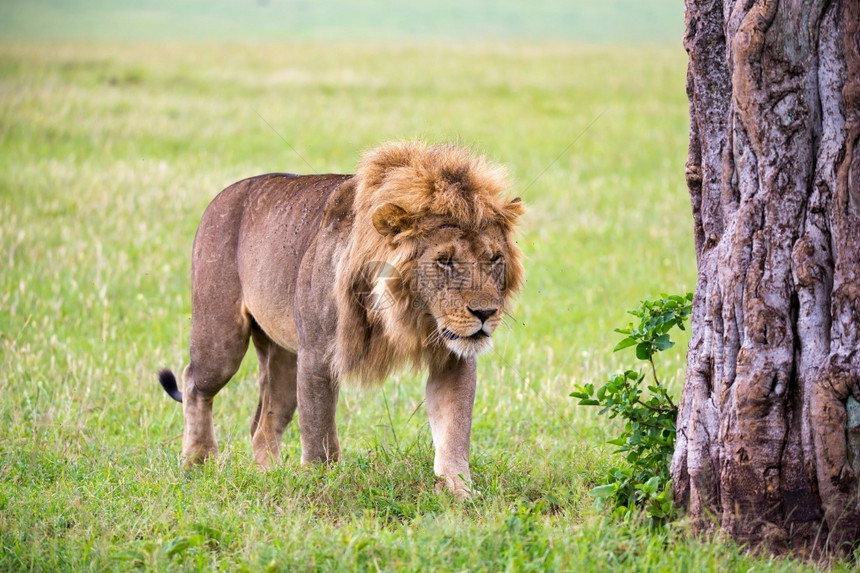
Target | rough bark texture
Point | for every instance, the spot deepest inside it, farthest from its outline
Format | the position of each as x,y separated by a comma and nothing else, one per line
769,426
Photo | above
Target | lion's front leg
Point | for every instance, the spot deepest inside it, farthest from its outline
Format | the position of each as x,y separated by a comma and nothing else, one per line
317,401
450,397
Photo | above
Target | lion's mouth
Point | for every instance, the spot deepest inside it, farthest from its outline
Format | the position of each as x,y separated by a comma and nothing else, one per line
470,345
450,335
477,336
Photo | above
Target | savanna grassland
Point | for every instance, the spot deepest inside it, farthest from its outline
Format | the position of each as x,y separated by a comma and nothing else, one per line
110,151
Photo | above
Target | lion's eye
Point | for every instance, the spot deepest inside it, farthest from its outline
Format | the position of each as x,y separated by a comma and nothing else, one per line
445,262
496,259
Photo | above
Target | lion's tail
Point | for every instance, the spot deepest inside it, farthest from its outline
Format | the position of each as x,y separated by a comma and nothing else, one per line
168,382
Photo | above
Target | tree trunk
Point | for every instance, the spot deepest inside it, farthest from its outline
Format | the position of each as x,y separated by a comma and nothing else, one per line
769,424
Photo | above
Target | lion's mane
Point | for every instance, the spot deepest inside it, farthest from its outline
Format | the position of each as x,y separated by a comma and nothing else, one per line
429,183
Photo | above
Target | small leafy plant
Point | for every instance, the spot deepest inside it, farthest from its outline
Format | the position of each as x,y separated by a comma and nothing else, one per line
648,437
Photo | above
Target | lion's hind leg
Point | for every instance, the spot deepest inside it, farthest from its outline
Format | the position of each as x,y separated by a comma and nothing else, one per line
219,341
278,399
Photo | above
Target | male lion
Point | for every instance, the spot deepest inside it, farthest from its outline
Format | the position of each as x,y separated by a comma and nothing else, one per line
337,277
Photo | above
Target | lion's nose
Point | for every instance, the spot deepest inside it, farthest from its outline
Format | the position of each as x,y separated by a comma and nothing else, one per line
482,313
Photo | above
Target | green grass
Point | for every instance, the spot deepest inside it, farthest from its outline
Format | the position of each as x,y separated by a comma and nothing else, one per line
108,155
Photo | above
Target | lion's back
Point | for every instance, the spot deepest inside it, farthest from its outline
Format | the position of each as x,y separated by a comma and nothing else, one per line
255,234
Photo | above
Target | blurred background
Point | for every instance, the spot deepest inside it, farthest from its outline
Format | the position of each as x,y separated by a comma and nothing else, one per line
580,21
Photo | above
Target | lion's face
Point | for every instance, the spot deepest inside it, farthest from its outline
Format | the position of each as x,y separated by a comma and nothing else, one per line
456,279
459,281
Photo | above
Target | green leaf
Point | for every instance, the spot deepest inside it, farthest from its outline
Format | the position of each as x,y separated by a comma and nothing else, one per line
653,484
603,490
626,343
643,350
663,342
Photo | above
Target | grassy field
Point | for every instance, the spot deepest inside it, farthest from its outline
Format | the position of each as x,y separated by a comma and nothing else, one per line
110,151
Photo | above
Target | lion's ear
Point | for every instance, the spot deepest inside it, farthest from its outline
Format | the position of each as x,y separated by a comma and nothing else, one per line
514,209
391,220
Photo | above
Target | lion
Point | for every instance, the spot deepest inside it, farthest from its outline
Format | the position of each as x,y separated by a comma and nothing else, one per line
411,261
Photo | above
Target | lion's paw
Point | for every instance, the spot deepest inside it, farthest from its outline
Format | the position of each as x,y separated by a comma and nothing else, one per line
461,489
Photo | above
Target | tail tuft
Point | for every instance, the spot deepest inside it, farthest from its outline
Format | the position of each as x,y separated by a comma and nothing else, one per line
168,382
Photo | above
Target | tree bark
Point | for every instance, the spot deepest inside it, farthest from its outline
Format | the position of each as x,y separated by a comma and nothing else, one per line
768,443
